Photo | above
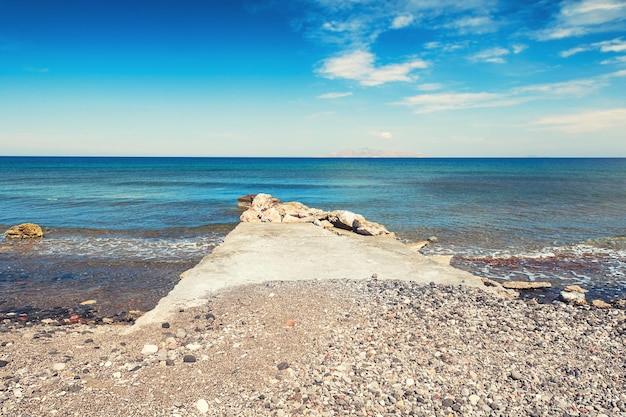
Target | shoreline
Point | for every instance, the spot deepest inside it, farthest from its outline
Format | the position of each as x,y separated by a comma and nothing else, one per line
323,348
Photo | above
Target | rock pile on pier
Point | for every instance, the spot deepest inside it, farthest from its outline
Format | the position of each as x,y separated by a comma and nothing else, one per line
267,209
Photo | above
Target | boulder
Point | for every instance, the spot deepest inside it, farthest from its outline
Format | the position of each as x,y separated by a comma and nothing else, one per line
573,297
24,231
367,228
343,219
524,285
245,201
271,215
600,304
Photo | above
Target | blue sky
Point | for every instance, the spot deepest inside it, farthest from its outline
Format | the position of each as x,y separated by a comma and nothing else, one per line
311,77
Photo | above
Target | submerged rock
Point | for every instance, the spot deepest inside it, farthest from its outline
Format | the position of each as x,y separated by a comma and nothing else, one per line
573,297
24,231
524,285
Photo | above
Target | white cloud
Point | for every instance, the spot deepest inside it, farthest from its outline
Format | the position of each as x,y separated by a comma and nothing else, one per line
428,103
616,60
493,55
334,95
580,17
613,45
574,88
519,48
385,135
430,86
473,24
583,122
360,66
402,21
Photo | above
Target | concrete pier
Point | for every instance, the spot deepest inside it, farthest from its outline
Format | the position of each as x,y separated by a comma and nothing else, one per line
259,252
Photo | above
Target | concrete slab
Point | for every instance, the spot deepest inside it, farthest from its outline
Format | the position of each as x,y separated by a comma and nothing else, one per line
259,252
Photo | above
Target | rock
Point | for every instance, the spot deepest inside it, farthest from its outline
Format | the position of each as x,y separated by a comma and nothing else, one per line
185,273
107,320
88,302
473,399
203,406
165,325
271,215
282,366
181,333
245,201
342,219
24,231
59,366
149,349
600,304
516,375
290,323
416,246
189,359
573,297
3,363
576,288
524,285
367,228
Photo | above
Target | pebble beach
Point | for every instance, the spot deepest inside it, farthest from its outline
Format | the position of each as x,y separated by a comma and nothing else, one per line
323,348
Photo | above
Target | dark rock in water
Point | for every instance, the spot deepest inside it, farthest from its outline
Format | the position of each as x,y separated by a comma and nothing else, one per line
24,231
245,201
189,359
282,366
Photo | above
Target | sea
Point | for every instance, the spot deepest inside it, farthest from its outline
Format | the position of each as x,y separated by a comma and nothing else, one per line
120,230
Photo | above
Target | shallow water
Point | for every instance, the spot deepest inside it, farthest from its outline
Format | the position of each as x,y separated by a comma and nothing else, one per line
122,229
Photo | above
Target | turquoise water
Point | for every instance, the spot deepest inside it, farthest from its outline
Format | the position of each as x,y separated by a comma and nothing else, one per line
556,219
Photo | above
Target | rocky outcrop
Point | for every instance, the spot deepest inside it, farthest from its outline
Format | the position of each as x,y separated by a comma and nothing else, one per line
267,209
24,231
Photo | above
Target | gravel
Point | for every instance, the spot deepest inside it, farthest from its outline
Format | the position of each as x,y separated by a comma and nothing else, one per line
363,348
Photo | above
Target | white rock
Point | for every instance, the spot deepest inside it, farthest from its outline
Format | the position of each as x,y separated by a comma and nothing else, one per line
193,346
117,374
409,382
58,366
473,399
149,349
202,406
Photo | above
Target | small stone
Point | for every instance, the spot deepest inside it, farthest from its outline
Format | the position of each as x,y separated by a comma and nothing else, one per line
74,388
107,320
181,333
203,406
516,375
290,323
3,363
189,358
409,382
165,325
473,399
169,362
193,346
88,302
59,366
447,402
117,375
134,368
149,349
282,366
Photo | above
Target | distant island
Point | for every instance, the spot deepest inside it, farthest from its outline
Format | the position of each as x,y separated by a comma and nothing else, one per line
372,153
